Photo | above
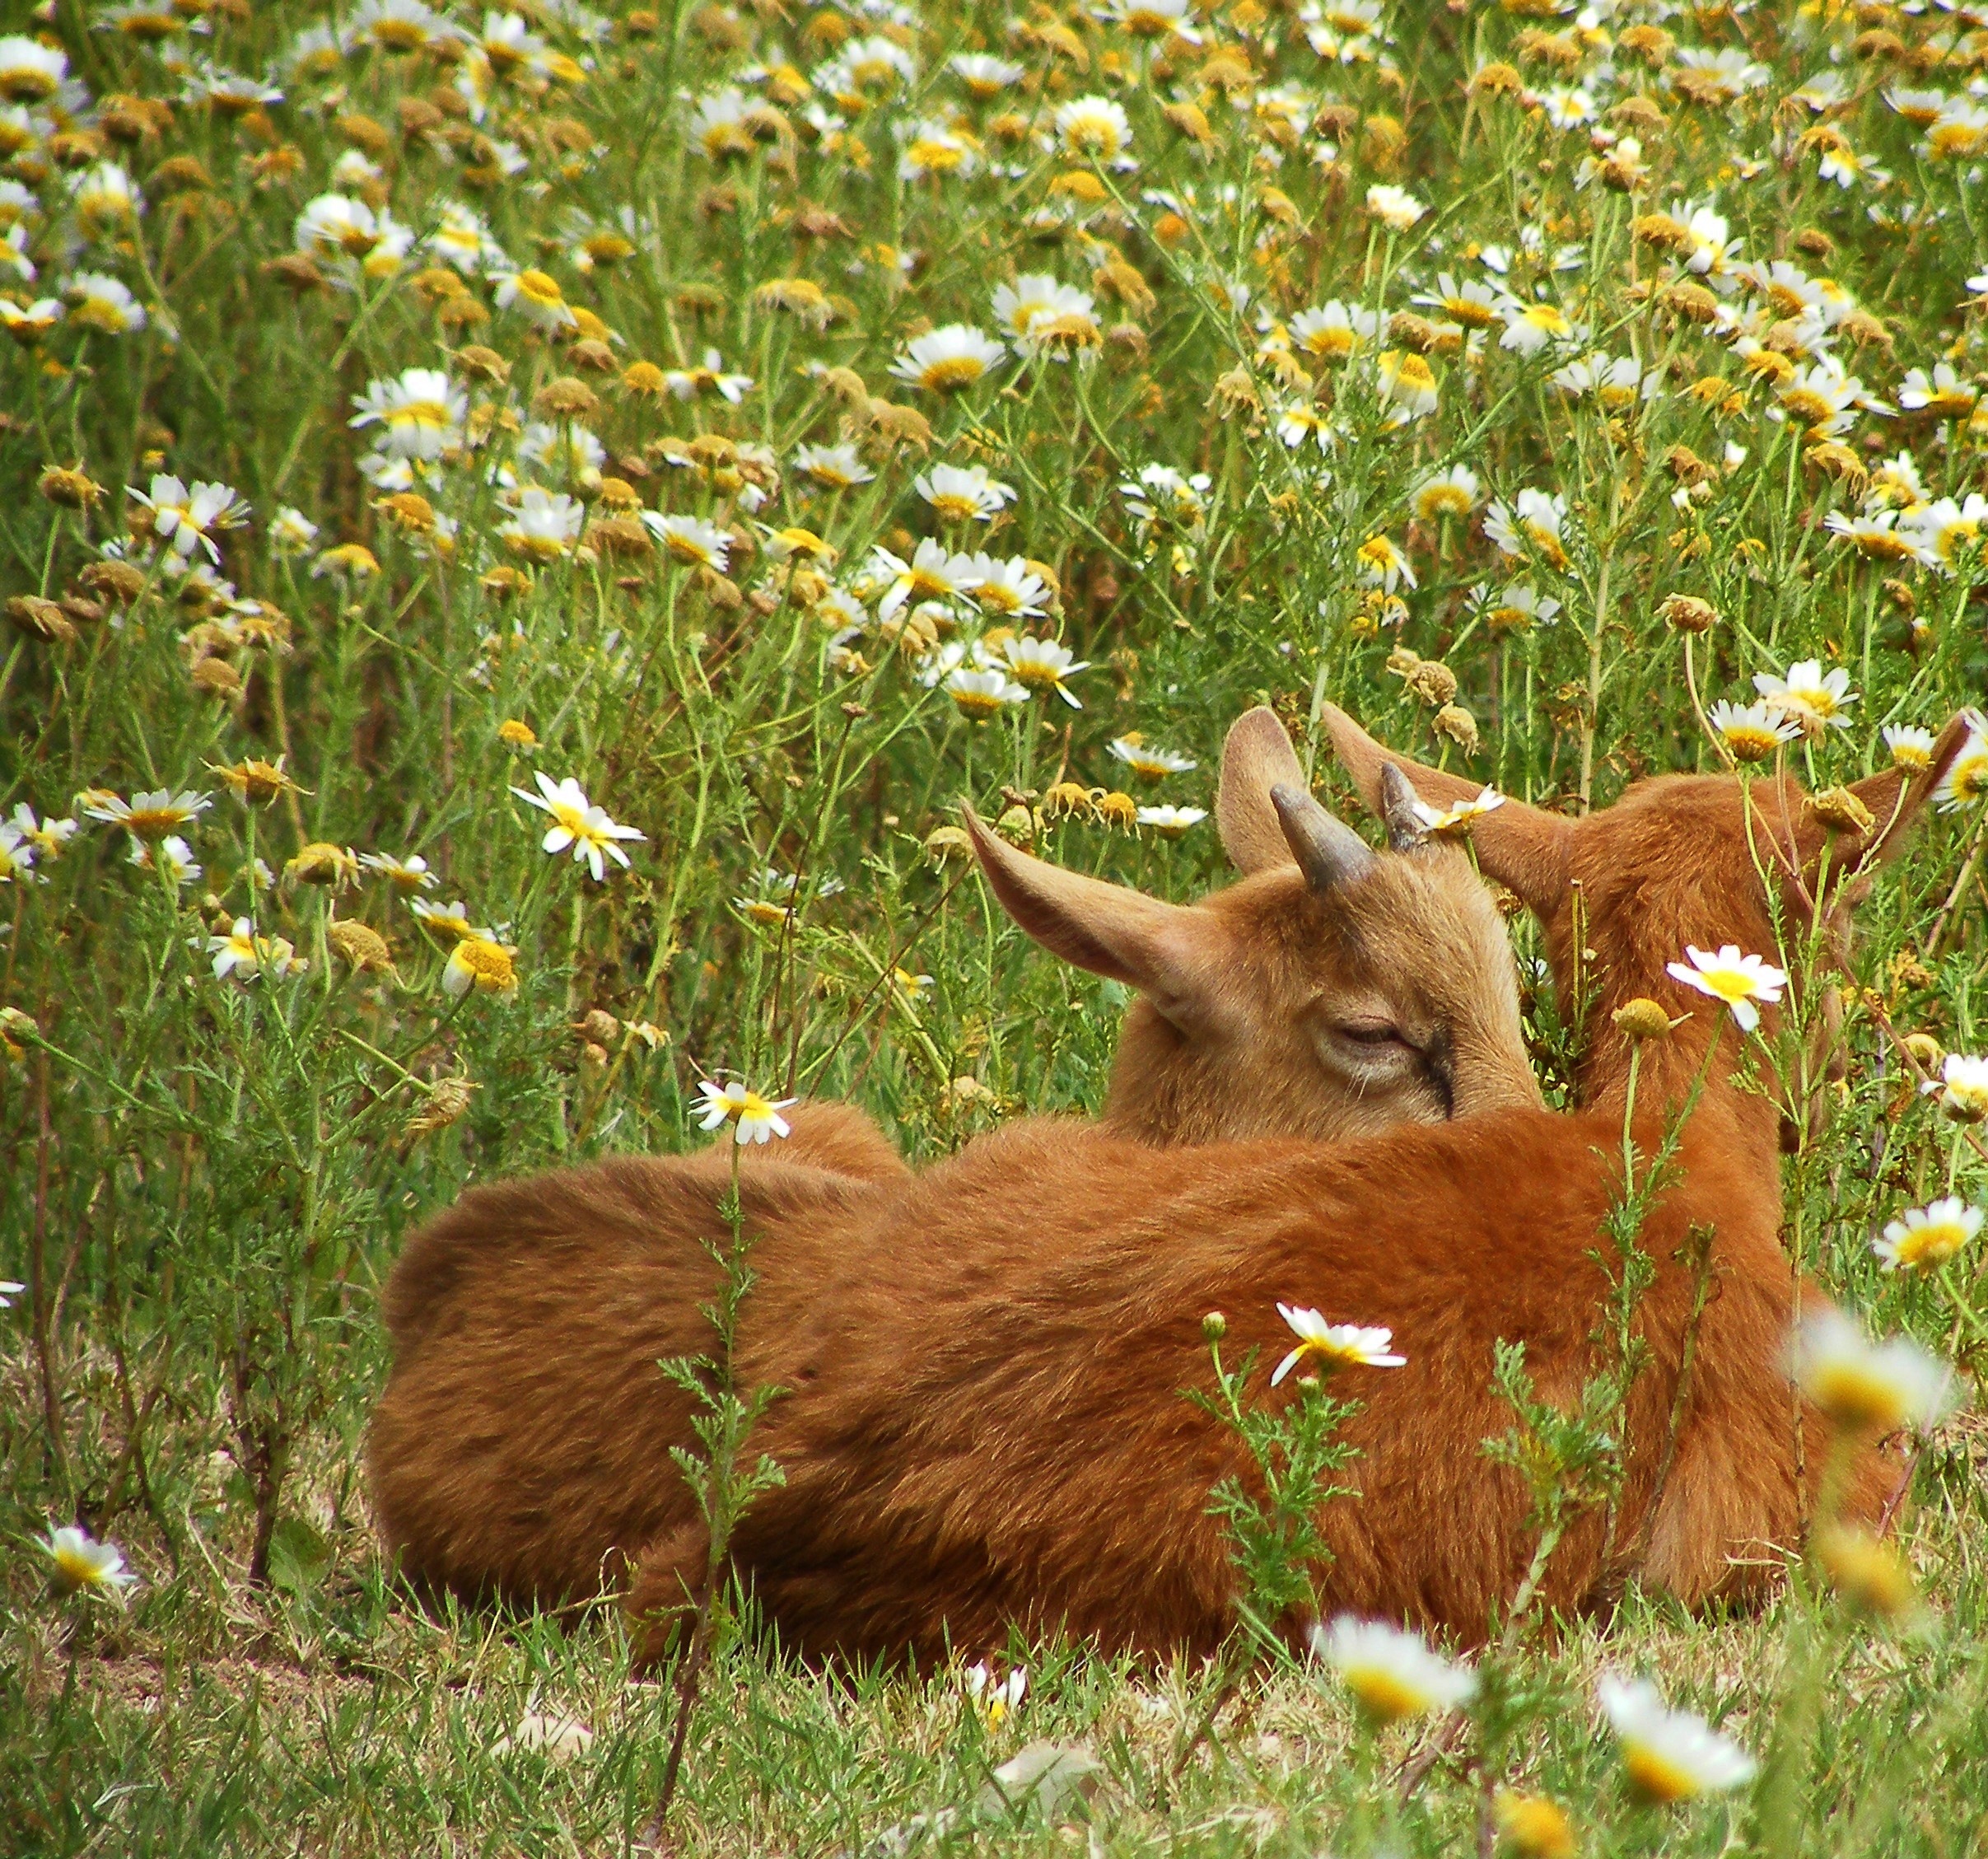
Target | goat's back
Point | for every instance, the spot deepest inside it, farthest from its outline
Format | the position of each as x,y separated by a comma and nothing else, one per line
522,1445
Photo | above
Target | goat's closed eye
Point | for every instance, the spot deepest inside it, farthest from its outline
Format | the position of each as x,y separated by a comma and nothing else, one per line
1371,1032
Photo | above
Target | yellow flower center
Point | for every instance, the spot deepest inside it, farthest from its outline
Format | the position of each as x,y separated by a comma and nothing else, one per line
1933,1244
536,287
1882,546
1385,1695
488,963
1443,500
955,371
1750,742
153,822
1655,1777
1854,1397
418,412
1332,343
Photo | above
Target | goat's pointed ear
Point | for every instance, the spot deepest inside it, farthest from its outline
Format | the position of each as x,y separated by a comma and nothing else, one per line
1257,757
1896,797
1524,848
1112,930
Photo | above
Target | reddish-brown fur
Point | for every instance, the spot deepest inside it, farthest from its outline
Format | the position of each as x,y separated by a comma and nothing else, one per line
523,1442
988,1429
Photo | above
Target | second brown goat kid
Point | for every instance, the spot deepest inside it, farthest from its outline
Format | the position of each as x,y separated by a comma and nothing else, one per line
986,1429
522,1447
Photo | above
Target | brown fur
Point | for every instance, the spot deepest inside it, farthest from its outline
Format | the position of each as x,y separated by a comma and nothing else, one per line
522,1445
989,1430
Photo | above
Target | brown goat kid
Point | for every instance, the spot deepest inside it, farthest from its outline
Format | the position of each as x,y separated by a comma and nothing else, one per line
522,1445
987,1427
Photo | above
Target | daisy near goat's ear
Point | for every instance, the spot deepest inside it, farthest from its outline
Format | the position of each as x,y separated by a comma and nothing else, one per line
1257,757
1524,848
1172,955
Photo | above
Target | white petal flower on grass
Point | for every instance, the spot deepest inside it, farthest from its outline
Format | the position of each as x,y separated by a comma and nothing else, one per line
102,303
1751,732
1926,1237
964,493
546,526
1452,494
934,572
30,71
1170,822
1531,327
1094,129
833,468
1460,814
1810,695
1148,763
482,964
10,1289
147,816
1335,1345
1670,1755
948,360
171,855
1381,561
986,76
185,516
410,874
757,1119
1911,747
997,1698
1534,520
1042,665
1738,980
536,296
1010,588
1962,1088
291,531
17,854
81,1562
1395,208
979,695
690,540
1964,784
420,413
1862,1386
579,824
30,322
1335,331
245,954
1392,1674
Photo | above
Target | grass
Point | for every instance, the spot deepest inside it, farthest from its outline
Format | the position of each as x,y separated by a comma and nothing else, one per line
1220,470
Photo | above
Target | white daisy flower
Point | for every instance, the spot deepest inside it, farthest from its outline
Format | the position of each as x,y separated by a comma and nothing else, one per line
1335,1345
1392,1674
1926,1237
1738,980
1670,1755
577,823
756,1118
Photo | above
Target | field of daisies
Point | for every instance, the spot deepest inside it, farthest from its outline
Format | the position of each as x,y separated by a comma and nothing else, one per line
518,530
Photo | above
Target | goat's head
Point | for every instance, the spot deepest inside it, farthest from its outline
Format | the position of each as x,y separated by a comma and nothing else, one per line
1336,991
1676,860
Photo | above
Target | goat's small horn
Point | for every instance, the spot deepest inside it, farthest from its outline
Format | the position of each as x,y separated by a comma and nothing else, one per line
1405,830
1328,851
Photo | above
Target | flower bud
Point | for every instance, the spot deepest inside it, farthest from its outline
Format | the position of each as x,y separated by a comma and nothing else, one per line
1840,811
1689,614
1641,1019
1215,1326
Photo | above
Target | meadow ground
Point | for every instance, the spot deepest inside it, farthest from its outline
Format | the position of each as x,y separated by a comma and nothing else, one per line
519,526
